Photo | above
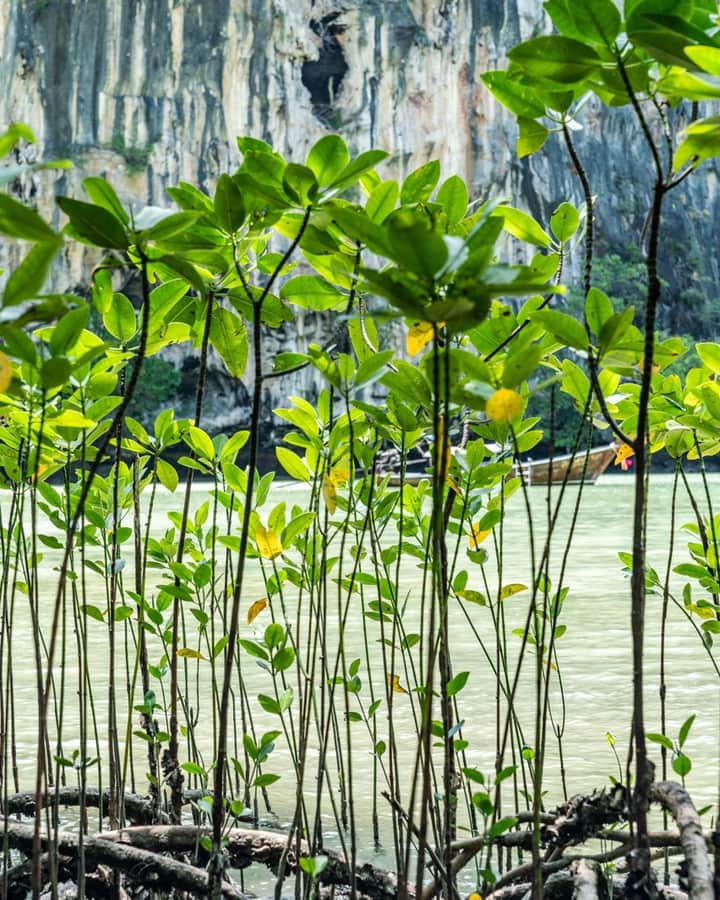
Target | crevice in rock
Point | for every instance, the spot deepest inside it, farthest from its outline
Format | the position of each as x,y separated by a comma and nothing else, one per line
323,76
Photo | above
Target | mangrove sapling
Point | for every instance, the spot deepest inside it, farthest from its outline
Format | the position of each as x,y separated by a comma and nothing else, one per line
447,288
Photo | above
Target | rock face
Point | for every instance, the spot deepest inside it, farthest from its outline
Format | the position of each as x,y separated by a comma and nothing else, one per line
149,92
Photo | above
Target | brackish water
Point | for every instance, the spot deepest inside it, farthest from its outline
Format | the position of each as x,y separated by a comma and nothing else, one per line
594,653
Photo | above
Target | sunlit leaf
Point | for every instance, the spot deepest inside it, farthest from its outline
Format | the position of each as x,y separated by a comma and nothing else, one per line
419,336
509,590
478,535
268,543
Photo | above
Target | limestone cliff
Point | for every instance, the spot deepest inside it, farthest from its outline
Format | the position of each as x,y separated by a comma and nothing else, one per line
148,92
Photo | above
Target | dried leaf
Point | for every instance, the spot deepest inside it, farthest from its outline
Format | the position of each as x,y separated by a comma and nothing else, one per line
255,609
189,653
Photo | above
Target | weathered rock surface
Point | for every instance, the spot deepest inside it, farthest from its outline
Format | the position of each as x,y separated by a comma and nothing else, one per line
148,92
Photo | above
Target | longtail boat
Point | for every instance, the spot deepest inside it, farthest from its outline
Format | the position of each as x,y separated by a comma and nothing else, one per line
535,471
542,471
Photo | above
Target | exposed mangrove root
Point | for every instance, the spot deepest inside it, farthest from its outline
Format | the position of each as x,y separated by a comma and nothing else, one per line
139,810
676,800
247,846
584,818
140,866
588,881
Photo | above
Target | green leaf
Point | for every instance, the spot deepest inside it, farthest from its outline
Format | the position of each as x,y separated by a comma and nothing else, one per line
708,58
19,221
701,142
660,739
520,364
93,224
27,280
453,196
292,464
518,98
681,85
67,330
614,329
269,704
685,729
357,167
522,226
531,137
19,344
595,21
296,526
169,226
382,200
201,443
120,319
300,184
681,764
420,184
283,659
228,336
598,309
710,355
265,780
328,158
564,222
563,327
55,371
167,475
103,194
575,382
16,132
501,826
228,204
359,227
555,58
415,247
456,684
312,292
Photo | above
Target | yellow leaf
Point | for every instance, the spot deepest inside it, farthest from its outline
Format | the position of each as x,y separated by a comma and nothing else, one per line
339,476
504,405
189,653
704,612
510,589
394,682
625,451
419,336
6,373
255,609
268,543
330,494
478,535
39,472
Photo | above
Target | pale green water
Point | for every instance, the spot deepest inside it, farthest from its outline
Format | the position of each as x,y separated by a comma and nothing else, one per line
594,654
